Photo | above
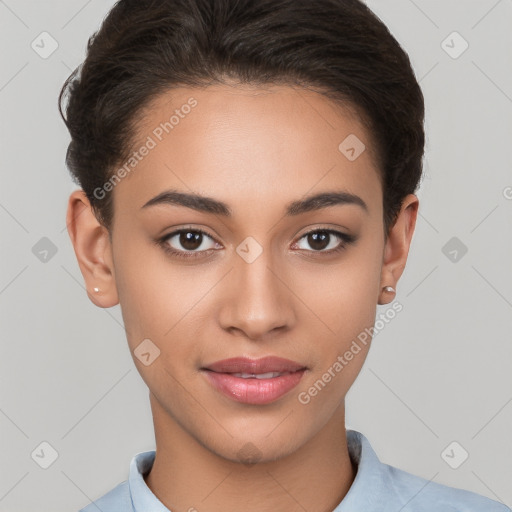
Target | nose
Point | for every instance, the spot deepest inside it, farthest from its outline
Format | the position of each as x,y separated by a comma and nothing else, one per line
256,299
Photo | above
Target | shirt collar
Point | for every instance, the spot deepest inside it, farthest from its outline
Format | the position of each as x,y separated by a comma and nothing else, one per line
142,496
368,485
372,479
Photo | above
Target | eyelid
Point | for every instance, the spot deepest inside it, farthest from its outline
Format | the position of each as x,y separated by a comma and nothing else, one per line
345,239
326,227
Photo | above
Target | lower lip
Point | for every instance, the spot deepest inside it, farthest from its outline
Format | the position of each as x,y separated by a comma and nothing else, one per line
253,391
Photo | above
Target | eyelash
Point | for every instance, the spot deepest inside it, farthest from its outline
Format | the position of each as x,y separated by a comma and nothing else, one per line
162,242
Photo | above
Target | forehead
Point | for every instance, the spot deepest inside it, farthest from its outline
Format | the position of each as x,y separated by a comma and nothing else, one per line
248,145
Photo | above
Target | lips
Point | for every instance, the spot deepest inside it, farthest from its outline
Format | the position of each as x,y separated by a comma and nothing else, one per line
265,365
254,381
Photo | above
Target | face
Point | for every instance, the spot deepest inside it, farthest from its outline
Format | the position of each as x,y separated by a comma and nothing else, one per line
266,273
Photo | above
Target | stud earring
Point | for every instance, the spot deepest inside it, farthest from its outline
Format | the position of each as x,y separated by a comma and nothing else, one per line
389,289
96,290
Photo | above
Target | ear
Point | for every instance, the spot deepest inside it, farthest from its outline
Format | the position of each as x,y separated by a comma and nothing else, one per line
397,246
93,250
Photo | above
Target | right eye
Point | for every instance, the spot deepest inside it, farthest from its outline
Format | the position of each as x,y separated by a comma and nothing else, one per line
186,243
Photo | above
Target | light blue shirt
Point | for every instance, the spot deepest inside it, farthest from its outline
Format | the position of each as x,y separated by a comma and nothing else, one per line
377,487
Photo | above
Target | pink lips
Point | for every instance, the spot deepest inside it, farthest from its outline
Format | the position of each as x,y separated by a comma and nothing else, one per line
252,390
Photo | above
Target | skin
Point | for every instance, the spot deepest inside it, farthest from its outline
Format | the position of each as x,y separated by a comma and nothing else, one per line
256,149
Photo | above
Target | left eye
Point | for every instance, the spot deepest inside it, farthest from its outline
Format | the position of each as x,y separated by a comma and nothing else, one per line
325,240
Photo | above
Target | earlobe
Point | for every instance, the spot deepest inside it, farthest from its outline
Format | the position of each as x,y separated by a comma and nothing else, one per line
397,247
93,249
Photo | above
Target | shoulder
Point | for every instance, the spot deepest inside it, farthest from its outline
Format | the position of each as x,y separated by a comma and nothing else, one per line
380,487
116,500
420,495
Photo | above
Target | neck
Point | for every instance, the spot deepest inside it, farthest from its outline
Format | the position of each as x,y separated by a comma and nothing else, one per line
186,476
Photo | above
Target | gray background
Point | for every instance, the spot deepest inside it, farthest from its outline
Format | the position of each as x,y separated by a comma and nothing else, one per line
439,372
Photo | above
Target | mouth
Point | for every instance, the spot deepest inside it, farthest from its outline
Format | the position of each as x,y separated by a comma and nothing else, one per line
255,382
268,375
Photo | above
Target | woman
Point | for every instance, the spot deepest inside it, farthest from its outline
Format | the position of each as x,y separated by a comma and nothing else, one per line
247,173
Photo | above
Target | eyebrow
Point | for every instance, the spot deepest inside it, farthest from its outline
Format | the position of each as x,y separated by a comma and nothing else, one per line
213,206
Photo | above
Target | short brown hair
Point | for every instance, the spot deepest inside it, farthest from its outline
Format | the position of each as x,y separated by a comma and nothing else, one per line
145,47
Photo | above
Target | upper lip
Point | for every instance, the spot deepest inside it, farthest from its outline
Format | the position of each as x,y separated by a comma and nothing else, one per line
254,366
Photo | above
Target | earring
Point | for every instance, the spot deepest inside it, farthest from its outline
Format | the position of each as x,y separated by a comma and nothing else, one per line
96,290
389,289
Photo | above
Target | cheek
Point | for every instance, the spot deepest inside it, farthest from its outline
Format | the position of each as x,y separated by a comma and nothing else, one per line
143,289
343,301
342,296
162,302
